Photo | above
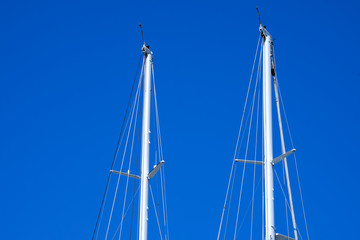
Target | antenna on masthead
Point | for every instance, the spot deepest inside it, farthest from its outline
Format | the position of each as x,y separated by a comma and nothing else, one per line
257,9
142,33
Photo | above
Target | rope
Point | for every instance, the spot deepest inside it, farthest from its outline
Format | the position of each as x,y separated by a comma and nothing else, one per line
237,142
116,151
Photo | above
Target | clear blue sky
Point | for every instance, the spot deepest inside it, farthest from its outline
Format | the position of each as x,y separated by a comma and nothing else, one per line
66,69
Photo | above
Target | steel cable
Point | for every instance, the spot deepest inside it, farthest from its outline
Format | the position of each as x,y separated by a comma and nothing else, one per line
237,142
117,148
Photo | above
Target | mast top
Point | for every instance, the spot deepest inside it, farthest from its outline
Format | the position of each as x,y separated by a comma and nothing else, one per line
262,29
264,32
145,49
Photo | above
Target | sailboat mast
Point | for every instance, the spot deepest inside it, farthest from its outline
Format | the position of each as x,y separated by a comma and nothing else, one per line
268,138
145,141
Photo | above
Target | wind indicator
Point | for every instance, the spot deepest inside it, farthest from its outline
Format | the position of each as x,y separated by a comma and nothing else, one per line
257,9
142,33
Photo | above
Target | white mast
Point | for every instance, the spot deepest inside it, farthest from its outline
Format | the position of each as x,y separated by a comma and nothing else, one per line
145,175
269,161
268,138
145,141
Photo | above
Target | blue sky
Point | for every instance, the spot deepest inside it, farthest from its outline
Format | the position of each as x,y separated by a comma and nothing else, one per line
66,69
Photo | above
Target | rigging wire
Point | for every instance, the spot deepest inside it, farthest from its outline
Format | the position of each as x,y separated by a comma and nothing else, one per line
120,142
161,157
247,209
116,151
296,167
237,142
230,198
127,209
239,146
299,233
256,138
287,205
302,201
157,219
136,163
234,175
246,151
282,162
122,162
286,209
130,160
162,175
157,180
235,168
282,190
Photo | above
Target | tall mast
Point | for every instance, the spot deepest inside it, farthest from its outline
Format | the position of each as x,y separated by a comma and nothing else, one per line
268,138
145,141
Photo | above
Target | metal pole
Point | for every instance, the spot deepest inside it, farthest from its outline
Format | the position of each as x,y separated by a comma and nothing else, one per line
283,151
268,138
145,141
